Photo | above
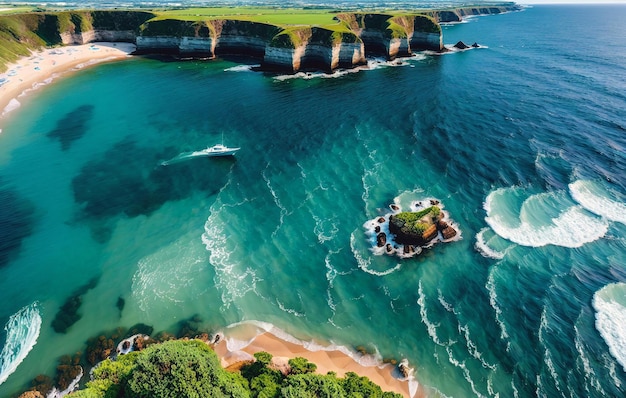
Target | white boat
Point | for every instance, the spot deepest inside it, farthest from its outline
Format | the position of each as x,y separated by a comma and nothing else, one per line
218,150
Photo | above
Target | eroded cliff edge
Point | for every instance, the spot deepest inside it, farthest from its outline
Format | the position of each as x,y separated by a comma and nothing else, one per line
286,49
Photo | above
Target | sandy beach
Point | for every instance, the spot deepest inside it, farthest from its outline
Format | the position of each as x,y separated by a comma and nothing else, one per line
44,65
233,350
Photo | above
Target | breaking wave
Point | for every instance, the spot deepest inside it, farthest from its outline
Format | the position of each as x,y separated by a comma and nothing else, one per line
22,331
598,200
541,219
610,306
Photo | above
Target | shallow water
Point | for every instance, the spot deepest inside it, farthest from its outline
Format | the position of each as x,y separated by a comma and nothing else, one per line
522,141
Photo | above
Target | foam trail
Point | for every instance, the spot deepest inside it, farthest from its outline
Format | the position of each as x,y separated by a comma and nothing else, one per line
230,278
365,263
283,210
590,374
430,326
493,300
183,156
22,332
592,198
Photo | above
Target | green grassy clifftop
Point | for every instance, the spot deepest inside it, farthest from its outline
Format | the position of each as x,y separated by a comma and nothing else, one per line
22,33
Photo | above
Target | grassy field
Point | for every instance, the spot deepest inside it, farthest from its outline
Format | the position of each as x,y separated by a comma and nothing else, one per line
275,16
6,9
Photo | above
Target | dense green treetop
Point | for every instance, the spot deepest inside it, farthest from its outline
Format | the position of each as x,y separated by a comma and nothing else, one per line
191,369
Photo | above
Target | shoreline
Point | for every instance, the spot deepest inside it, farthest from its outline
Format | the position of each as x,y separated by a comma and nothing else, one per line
42,66
239,344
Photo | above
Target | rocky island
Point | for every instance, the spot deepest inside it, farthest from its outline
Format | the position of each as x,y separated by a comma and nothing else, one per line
407,233
332,40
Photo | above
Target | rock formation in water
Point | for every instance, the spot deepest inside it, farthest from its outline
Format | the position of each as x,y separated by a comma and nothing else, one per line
419,228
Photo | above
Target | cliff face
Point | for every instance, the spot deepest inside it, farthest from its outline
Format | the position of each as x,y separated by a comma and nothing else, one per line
206,38
457,14
285,49
395,36
313,49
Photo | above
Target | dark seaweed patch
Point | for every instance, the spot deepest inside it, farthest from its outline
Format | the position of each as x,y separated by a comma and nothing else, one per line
16,223
139,328
68,313
130,180
120,304
73,126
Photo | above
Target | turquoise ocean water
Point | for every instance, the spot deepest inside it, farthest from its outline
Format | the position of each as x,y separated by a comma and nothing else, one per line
523,141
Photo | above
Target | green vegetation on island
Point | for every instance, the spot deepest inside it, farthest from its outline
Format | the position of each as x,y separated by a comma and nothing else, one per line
416,223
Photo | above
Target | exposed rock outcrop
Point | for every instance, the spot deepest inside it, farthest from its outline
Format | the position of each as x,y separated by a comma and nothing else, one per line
381,239
410,232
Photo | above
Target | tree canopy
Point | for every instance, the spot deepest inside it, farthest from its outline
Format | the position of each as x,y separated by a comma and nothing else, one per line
191,369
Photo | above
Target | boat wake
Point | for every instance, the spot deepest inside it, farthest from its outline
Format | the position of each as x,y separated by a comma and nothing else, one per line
22,332
217,150
183,156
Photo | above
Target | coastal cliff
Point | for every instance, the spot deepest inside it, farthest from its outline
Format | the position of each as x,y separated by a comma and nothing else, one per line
458,14
288,48
393,36
296,48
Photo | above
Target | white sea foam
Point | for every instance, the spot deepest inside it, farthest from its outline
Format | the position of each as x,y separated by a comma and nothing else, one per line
473,349
165,276
372,63
547,359
430,326
610,364
590,374
573,227
610,306
466,373
444,303
22,331
289,310
279,204
493,300
593,198
241,68
12,105
484,249
325,228
364,263
55,393
231,278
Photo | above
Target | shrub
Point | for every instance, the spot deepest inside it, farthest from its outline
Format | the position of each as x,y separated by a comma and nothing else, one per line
301,365
182,369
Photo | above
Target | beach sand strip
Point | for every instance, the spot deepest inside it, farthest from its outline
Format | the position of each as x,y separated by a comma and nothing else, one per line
327,360
42,66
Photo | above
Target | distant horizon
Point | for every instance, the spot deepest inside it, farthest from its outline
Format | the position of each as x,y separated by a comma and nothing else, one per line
587,2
